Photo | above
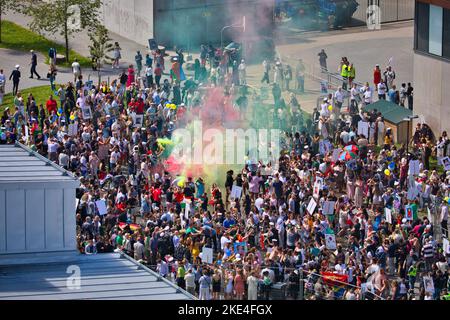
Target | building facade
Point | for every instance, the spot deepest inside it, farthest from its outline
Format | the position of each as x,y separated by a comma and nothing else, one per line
432,63
185,23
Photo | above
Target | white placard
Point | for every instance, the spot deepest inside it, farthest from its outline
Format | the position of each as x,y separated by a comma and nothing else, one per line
428,284
330,241
86,113
446,246
429,216
311,206
236,192
77,201
73,129
363,128
388,215
328,207
138,120
207,255
101,206
316,190
446,163
414,168
325,146
335,155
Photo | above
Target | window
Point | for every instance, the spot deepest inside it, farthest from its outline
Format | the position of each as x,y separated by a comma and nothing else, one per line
446,34
422,26
432,30
435,31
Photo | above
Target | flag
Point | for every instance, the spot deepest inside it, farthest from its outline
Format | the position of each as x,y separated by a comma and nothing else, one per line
122,225
134,226
334,279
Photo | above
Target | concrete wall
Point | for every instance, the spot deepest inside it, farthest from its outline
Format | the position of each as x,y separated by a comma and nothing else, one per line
37,218
432,92
391,10
132,19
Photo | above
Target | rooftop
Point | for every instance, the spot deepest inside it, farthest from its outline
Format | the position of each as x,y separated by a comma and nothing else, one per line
108,276
391,112
19,163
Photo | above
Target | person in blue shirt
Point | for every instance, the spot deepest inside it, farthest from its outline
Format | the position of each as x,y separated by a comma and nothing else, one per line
229,221
200,187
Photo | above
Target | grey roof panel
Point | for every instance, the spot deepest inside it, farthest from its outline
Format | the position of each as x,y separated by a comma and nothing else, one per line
21,164
103,277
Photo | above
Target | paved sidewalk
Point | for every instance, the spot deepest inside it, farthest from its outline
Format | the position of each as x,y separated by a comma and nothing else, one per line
363,47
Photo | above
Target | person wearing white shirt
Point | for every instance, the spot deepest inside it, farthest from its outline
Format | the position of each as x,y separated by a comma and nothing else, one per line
324,112
367,96
76,70
382,90
223,241
339,98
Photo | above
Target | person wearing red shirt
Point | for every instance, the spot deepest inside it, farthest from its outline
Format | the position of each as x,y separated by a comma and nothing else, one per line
158,72
139,106
51,105
178,195
376,76
156,195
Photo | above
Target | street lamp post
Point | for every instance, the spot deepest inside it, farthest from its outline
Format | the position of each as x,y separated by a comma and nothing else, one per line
236,25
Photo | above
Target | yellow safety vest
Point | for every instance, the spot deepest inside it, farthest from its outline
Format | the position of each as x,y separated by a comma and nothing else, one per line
344,71
351,72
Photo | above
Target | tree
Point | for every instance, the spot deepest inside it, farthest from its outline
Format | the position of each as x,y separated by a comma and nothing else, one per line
101,45
5,5
65,17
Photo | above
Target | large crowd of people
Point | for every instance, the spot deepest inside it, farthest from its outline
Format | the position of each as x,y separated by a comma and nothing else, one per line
344,216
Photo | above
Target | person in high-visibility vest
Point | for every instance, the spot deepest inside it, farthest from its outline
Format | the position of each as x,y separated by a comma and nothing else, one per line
351,72
412,274
344,75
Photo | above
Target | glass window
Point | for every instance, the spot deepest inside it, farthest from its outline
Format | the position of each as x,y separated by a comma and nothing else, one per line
422,26
446,34
435,31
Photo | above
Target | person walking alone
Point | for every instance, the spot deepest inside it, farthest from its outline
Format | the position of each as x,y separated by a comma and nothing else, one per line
323,60
33,64
76,70
15,76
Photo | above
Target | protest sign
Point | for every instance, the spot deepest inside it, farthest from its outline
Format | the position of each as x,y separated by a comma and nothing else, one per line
414,167
138,120
335,155
330,241
446,163
311,206
429,216
328,207
408,213
236,192
428,284
316,189
86,113
237,245
73,129
101,206
445,246
388,215
325,146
